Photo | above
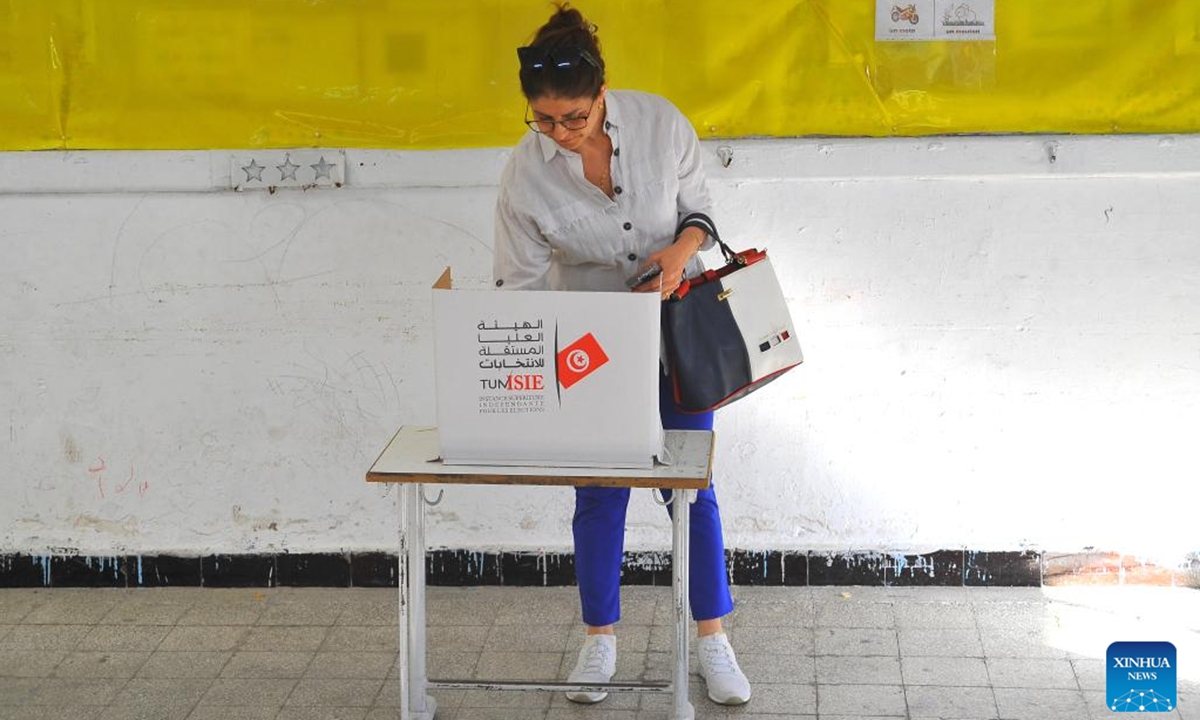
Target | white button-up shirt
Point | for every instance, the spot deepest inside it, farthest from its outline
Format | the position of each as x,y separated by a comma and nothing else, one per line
557,231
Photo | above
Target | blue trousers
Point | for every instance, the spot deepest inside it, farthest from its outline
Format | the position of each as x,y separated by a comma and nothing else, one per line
599,529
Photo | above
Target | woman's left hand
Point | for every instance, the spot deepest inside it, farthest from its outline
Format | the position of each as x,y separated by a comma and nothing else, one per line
673,259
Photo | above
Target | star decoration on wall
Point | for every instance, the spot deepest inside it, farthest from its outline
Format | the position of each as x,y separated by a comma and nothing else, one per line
322,168
287,170
253,170
290,163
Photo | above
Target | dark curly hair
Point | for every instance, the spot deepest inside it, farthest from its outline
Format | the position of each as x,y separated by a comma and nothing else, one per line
566,29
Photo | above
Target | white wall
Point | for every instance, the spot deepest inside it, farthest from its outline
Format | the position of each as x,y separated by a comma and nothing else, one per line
1003,352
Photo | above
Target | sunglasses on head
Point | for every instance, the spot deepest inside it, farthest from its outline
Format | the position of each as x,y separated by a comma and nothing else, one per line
537,58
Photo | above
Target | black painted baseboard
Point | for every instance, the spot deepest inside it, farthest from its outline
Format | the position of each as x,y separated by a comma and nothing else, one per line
946,568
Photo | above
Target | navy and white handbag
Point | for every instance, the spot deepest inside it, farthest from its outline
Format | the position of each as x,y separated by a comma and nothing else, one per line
727,331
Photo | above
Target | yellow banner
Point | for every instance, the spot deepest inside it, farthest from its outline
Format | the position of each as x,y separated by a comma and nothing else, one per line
156,74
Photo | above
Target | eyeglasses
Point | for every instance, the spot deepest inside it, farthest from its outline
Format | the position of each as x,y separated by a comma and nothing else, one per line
537,58
546,127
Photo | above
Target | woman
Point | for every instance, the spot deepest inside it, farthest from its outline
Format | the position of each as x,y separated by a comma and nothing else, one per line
589,199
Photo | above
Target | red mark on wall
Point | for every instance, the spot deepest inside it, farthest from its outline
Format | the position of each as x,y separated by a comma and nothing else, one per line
123,486
97,469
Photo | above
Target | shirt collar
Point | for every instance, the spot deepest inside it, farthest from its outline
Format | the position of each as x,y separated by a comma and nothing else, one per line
614,114
548,146
612,118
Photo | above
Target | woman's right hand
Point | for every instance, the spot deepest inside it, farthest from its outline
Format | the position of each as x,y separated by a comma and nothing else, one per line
673,259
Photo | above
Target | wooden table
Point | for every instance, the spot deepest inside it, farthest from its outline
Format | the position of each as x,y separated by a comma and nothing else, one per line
411,458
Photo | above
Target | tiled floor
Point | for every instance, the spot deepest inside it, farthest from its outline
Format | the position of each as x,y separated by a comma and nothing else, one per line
844,653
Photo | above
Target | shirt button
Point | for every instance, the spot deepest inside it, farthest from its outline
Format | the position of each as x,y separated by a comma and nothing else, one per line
633,256
499,283
628,226
607,125
618,190
617,152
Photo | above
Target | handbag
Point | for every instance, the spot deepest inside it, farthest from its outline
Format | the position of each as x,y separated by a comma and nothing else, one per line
727,332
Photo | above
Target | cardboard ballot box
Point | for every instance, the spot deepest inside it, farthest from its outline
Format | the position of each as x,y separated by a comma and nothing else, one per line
547,378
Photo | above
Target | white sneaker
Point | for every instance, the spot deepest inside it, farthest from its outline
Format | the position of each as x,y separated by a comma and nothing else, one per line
727,684
597,663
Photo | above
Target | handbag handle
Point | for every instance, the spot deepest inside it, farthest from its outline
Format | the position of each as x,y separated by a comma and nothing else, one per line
705,223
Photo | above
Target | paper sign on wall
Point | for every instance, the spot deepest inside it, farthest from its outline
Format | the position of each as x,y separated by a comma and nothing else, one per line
912,20
900,20
547,378
965,20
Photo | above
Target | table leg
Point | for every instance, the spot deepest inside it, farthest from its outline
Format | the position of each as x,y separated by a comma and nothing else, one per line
414,703
681,708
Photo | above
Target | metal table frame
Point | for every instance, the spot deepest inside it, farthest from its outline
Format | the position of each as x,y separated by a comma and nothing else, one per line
411,459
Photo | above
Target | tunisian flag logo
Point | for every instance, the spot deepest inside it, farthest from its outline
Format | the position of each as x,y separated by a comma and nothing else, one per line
579,359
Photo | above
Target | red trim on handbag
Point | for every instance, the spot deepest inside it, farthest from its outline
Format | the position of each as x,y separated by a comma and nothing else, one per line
740,260
733,395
